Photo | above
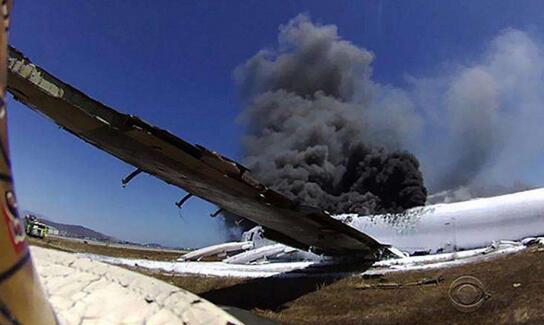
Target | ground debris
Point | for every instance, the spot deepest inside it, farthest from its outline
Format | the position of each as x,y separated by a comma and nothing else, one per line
396,285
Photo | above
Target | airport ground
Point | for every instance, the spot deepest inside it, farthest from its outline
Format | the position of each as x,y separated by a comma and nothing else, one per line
514,283
74,245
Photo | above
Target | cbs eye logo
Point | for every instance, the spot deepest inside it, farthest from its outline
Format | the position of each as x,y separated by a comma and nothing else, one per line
467,294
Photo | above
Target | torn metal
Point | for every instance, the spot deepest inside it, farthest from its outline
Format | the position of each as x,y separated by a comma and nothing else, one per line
197,170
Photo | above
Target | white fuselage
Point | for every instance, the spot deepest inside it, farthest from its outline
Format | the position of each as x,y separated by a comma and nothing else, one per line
445,227
457,226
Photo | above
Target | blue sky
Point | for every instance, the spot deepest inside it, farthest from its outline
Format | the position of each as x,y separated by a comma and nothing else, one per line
171,63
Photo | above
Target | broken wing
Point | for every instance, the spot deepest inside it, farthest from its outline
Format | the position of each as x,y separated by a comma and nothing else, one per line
194,168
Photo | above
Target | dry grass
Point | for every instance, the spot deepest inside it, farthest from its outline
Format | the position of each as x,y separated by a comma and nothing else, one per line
358,300
103,249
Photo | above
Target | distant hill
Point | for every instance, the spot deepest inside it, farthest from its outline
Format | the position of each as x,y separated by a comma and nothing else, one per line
81,232
68,230
77,231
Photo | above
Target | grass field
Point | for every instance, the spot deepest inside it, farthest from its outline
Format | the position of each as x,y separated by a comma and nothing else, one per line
80,246
514,283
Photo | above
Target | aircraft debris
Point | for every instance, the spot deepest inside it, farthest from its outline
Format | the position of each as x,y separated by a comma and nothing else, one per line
219,249
396,285
197,170
450,227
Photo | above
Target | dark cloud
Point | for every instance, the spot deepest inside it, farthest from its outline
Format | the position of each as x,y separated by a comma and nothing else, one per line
322,132
310,114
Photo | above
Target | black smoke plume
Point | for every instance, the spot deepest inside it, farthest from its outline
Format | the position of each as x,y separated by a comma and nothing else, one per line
321,131
313,125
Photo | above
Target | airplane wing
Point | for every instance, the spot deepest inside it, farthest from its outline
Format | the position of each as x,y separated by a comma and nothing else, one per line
193,168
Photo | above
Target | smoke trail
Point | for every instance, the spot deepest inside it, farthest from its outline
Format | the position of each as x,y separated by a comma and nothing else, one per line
319,130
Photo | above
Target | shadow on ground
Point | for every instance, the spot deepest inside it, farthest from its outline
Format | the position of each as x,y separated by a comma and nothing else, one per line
272,293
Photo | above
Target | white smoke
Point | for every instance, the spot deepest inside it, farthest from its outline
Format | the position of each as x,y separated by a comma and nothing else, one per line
485,118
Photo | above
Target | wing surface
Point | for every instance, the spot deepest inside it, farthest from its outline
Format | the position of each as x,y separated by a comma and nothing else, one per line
195,169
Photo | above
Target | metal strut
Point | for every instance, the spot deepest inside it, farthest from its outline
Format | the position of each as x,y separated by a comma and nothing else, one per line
183,199
130,176
213,215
